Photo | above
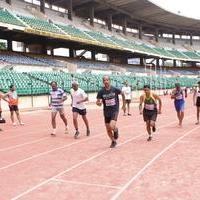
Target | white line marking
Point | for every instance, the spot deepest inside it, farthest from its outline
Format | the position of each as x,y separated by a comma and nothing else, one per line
117,195
71,168
88,184
78,165
47,152
23,144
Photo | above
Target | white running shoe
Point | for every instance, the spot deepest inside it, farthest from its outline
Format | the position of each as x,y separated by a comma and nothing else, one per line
14,124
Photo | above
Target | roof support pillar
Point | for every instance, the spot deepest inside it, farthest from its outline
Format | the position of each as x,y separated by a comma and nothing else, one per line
93,54
173,39
109,22
9,44
140,32
42,6
174,63
91,13
70,9
141,61
156,35
71,53
124,25
191,41
157,62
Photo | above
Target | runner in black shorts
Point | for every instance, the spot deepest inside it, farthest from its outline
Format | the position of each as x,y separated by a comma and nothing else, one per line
109,96
150,109
196,99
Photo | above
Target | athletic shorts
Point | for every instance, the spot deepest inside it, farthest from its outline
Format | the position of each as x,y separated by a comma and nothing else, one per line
79,111
13,108
128,101
150,115
60,110
179,105
198,102
111,116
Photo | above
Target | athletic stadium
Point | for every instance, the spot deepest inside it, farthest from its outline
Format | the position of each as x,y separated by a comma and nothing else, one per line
81,41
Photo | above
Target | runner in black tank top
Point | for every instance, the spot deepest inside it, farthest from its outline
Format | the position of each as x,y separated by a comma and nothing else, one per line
196,99
150,109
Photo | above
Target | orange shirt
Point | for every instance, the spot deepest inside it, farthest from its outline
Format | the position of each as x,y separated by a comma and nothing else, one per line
13,98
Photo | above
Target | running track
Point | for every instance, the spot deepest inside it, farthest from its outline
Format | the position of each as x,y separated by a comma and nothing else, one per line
36,166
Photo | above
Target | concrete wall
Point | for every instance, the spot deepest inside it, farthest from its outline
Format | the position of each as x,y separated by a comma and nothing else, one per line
42,102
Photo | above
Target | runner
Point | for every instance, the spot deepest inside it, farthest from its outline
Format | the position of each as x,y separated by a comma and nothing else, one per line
109,96
179,102
126,89
58,96
12,98
78,107
196,100
150,110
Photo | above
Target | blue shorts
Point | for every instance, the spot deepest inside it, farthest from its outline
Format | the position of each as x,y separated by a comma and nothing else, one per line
179,105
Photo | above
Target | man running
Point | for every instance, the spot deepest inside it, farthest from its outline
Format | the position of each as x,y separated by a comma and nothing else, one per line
12,98
126,89
196,100
150,109
179,102
78,107
57,98
109,96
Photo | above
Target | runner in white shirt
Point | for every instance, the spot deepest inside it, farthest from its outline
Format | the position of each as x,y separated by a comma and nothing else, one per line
58,96
78,107
126,89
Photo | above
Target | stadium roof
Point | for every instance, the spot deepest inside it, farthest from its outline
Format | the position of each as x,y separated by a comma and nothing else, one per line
137,12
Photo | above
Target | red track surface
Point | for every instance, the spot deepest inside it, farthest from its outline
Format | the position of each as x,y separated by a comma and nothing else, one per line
36,166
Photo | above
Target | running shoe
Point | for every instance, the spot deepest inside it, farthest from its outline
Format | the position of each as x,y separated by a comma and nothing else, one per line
76,135
88,132
66,130
149,138
129,114
116,134
113,144
22,123
14,124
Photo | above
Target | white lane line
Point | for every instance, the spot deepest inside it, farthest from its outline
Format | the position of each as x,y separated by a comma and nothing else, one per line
87,184
47,152
71,168
155,158
23,144
77,165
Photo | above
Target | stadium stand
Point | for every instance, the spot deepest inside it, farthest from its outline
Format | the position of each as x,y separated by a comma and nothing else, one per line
105,40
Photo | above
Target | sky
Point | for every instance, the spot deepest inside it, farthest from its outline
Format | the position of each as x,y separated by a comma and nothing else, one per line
188,8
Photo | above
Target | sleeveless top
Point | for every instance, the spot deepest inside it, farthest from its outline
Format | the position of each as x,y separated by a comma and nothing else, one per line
179,95
150,103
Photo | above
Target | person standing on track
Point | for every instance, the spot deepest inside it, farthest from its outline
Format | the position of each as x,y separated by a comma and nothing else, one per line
12,98
126,89
196,100
57,98
179,96
150,109
78,107
109,97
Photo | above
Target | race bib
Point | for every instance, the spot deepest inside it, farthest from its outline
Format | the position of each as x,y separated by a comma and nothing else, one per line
149,106
179,97
110,102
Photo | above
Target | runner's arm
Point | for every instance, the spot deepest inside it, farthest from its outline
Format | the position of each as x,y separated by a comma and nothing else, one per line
194,96
141,103
159,102
173,95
